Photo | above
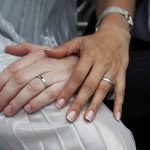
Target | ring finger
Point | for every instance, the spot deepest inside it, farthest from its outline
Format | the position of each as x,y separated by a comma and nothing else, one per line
19,80
44,98
19,64
100,94
32,89
86,92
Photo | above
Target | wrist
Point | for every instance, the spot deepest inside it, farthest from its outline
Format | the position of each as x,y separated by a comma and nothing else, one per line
117,19
116,22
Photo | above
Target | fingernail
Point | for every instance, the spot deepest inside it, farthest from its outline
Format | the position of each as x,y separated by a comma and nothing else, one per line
48,49
118,117
90,115
71,116
8,110
28,108
60,103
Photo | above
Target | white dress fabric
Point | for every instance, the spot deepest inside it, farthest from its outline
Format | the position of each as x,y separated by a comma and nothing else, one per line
48,129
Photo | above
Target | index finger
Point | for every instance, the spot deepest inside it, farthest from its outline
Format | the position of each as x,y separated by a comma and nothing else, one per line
76,79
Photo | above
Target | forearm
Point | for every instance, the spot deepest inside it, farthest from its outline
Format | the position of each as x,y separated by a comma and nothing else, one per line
115,18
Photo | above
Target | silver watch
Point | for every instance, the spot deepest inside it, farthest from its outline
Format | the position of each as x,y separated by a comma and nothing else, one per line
115,9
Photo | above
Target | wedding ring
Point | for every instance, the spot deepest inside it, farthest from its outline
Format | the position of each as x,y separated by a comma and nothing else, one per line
108,80
42,79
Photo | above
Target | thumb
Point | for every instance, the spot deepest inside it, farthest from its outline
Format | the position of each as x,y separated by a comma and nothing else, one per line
19,49
23,49
66,49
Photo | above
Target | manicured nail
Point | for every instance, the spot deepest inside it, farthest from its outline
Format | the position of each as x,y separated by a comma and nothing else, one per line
118,117
71,116
60,103
8,110
28,108
90,116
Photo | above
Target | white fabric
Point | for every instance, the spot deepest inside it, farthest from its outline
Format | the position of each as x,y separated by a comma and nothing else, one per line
38,20
48,129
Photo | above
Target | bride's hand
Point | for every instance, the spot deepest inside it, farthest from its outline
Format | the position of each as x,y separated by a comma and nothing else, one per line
103,61
19,86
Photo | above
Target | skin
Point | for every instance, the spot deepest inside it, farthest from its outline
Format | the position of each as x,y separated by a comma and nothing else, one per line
128,5
104,53
19,86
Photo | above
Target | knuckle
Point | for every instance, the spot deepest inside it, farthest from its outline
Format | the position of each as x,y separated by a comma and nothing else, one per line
19,78
119,104
91,53
105,62
50,94
54,94
34,107
66,93
13,68
78,105
36,104
122,71
104,89
15,105
88,86
1,105
115,69
65,51
34,87
97,48
47,94
95,106
26,46
120,93
77,77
